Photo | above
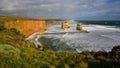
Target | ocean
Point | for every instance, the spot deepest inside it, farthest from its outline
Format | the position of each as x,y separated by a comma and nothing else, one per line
100,35
106,23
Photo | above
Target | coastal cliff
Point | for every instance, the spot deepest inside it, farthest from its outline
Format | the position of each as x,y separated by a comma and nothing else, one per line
27,27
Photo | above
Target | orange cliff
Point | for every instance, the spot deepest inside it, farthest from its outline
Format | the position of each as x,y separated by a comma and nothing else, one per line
27,27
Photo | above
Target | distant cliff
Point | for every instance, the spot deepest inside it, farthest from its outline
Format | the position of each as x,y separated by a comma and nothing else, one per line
27,27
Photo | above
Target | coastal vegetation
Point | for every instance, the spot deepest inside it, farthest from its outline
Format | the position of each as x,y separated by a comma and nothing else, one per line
16,52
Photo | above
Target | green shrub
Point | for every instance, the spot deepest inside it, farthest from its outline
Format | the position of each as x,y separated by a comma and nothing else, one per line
2,25
116,48
14,30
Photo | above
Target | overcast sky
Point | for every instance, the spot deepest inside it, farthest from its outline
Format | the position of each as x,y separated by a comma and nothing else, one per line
64,9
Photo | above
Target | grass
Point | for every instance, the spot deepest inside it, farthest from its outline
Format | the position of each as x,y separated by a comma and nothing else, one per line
6,49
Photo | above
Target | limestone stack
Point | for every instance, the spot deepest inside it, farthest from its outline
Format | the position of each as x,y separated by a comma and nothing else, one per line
79,26
65,25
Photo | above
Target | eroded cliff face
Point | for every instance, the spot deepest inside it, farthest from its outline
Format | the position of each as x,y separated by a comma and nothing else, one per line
27,27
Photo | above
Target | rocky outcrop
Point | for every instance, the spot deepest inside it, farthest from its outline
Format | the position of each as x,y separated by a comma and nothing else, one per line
65,25
27,27
79,26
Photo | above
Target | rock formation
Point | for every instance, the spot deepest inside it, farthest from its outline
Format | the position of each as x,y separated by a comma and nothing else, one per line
79,26
27,27
65,25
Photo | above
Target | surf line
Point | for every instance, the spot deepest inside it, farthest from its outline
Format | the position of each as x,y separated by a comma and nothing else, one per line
37,43
66,33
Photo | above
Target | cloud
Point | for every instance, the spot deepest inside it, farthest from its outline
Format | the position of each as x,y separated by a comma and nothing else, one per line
70,9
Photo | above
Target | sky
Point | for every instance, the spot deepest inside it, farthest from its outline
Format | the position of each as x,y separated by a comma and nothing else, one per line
63,9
